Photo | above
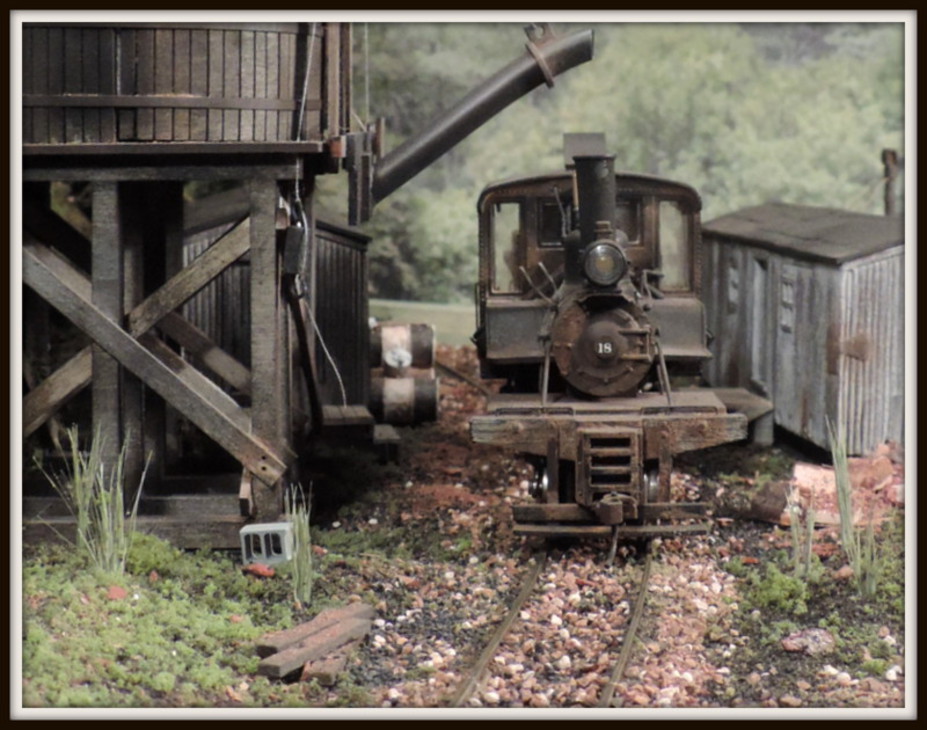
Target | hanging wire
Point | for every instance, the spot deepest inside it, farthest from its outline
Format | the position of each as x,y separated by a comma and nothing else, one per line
366,78
302,101
304,221
328,356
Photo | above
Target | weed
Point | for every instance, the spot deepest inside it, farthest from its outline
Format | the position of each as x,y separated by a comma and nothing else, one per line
736,567
778,590
801,527
874,667
94,493
297,511
859,544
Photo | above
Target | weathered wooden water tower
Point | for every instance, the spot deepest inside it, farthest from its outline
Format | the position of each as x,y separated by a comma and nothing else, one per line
135,112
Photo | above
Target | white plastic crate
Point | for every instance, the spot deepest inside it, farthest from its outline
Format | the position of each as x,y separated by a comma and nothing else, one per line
268,543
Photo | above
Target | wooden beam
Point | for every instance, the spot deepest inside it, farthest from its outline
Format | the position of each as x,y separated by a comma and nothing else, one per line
206,390
269,404
49,227
41,402
202,270
231,432
197,343
106,298
79,370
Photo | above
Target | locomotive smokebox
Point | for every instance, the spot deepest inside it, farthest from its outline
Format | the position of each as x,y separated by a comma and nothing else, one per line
595,185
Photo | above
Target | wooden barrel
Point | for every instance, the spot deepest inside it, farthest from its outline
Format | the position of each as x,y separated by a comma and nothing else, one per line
404,401
398,347
181,82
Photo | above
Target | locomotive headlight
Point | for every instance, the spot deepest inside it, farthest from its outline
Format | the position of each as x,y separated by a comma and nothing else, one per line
604,263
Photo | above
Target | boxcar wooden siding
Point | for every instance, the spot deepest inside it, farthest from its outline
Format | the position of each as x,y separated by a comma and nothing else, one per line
104,84
872,357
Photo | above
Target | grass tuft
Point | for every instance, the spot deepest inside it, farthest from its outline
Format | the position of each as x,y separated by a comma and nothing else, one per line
297,510
859,544
95,494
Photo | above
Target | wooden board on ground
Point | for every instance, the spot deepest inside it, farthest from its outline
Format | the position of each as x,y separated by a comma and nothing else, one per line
279,640
325,671
315,647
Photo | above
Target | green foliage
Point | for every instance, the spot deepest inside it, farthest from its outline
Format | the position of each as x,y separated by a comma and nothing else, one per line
174,641
805,564
148,553
95,494
859,544
297,511
777,590
746,113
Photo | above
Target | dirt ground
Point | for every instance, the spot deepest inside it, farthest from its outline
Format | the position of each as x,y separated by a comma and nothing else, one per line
722,630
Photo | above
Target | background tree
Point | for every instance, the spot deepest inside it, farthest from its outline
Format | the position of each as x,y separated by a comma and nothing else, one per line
746,113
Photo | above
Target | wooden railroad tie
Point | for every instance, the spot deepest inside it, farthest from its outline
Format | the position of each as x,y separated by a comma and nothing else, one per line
320,646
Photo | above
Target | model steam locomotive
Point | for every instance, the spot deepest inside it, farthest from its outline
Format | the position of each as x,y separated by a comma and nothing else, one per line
589,308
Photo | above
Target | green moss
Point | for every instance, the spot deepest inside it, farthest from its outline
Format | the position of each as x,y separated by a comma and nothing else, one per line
777,590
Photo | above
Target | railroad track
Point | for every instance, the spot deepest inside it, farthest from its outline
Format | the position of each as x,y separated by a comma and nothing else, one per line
620,649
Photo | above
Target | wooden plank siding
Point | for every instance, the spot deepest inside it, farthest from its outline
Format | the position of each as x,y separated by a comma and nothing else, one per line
164,83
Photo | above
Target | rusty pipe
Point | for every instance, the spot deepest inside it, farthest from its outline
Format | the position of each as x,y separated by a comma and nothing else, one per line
542,62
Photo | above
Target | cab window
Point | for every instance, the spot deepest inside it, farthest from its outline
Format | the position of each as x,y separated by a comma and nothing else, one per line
551,227
507,233
627,217
675,247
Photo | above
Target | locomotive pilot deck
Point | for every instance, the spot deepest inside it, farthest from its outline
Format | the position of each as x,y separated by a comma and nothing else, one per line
621,450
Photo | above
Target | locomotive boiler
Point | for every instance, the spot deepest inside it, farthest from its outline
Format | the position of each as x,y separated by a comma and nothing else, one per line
589,309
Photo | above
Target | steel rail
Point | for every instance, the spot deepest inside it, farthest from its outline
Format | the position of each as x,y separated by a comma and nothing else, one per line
627,641
473,682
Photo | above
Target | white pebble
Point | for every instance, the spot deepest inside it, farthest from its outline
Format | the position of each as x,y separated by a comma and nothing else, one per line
408,485
380,623
555,620
491,697
372,521
892,674
564,662
474,560
394,694
449,575
336,525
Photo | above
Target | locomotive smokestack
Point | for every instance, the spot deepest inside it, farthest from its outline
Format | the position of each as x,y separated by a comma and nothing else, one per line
546,58
595,183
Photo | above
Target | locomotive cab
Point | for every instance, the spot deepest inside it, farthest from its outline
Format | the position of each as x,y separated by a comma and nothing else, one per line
589,308
523,225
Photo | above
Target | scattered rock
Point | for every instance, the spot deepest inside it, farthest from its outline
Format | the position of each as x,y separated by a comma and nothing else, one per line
810,641
260,570
116,593
844,573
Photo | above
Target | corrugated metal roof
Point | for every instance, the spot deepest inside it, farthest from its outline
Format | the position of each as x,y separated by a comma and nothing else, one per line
820,234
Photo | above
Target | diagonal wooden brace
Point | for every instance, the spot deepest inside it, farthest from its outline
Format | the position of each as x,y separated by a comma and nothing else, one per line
214,412
41,403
